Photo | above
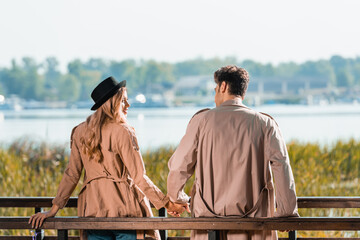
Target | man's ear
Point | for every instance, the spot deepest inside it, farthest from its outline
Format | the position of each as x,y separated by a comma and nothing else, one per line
223,87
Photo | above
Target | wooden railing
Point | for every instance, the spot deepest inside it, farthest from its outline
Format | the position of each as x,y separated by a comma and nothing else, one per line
63,224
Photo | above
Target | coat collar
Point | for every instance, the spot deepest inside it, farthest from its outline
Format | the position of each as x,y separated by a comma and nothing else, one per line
232,102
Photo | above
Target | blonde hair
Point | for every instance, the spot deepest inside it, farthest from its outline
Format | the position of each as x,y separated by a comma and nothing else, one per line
108,112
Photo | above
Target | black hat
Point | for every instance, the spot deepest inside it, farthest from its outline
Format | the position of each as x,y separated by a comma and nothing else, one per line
105,90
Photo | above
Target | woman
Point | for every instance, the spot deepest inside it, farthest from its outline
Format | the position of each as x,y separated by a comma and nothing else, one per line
115,182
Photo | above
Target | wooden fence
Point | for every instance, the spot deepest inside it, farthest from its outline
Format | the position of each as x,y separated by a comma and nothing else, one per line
63,224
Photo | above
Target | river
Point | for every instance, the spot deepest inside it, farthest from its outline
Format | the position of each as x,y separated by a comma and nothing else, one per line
165,126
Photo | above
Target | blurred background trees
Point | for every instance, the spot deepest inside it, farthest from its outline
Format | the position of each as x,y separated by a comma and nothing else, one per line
44,81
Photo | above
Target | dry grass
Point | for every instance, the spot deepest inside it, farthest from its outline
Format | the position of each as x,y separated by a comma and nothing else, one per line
35,169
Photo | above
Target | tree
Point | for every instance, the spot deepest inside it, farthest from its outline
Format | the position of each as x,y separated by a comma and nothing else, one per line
343,71
69,88
319,69
52,78
52,73
88,79
24,80
2,90
96,64
344,78
199,66
253,68
33,84
188,68
155,76
356,73
125,70
338,62
13,79
75,68
286,69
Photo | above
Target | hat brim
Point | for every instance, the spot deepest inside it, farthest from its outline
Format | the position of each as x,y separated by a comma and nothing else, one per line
108,95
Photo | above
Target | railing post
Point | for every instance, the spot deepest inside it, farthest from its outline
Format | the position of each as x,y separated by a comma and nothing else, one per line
292,235
213,235
163,233
62,234
38,233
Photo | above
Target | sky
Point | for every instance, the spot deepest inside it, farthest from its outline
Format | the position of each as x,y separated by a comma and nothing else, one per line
165,30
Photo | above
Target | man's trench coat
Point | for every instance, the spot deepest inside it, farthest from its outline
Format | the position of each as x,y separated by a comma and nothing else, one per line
233,151
116,187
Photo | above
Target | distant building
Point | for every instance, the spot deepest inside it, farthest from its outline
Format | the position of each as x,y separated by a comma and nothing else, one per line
283,85
194,85
194,90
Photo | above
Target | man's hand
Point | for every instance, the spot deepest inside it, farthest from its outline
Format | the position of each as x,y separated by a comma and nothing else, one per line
175,209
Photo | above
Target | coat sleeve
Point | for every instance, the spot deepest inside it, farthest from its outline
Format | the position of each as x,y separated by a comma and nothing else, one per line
71,175
128,149
286,202
182,162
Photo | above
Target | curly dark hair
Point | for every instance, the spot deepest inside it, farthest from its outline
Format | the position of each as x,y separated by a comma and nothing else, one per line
237,78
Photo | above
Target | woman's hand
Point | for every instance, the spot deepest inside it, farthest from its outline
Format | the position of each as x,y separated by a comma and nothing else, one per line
37,219
175,209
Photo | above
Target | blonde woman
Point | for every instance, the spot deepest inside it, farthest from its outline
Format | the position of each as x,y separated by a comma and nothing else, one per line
115,181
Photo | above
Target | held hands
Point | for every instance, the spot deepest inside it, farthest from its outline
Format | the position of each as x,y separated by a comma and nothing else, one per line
37,219
175,209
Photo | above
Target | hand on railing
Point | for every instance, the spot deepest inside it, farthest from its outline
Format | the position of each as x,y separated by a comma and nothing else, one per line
37,219
175,209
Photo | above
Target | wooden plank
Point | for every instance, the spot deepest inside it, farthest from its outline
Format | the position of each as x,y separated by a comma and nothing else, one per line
169,238
30,238
303,202
178,238
351,224
328,238
36,202
329,202
321,238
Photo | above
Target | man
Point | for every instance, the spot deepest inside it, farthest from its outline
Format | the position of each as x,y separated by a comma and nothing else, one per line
233,149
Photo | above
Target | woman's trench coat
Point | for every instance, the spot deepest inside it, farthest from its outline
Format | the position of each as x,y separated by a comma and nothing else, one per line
116,187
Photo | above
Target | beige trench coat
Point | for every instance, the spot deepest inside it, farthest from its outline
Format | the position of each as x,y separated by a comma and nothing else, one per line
233,151
117,187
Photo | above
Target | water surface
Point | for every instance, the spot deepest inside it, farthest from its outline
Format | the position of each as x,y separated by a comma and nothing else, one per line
166,126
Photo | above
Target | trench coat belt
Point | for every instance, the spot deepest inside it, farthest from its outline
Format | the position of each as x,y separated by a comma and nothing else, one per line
139,233
267,188
259,201
112,178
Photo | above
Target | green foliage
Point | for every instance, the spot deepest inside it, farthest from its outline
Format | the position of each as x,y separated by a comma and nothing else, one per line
12,78
35,169
31,169
319,69
2,91
124,70
200,66
44,81
70,88
326,171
